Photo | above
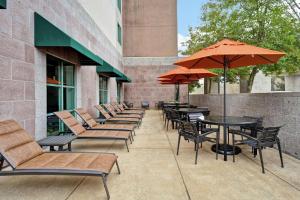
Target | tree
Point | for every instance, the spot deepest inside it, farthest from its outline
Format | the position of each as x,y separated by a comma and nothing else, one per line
264,23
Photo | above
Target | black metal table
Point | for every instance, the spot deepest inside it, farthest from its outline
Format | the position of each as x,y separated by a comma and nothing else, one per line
185,111
225,148
59,141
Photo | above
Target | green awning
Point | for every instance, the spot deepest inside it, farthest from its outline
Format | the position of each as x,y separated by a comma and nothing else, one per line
108,70
48,35
124,78
2,4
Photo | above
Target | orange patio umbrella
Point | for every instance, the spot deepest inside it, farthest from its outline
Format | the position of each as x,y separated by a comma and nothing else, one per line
229,54
184,74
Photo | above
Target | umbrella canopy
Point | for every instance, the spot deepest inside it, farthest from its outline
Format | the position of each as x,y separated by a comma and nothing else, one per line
183,73
234,53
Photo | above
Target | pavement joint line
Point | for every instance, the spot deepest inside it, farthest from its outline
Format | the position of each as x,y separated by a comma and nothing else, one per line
72,192
266,169
183,181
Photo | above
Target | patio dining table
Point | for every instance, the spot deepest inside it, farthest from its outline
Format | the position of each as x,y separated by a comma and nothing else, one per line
186,111
225,148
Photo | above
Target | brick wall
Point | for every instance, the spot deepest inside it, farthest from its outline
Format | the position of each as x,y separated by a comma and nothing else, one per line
23,67
145,86
276,108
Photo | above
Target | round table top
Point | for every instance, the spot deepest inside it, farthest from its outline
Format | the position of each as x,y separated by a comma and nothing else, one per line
230,120
191,110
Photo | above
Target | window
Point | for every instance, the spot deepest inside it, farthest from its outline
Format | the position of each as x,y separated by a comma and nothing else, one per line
119,5
278,83
60,91
119,87
103,89
119,34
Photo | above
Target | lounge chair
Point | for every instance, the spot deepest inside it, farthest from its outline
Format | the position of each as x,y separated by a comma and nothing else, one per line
120,109
82,133
92,124
118,120
111,111
26,157
127,108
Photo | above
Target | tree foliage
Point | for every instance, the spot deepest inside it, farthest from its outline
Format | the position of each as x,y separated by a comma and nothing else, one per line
264,23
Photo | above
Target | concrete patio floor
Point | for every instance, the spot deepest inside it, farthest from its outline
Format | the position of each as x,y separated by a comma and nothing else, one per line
151,170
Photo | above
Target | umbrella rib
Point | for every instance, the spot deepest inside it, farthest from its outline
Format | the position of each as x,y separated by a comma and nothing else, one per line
236,58
267,59
215,60
197,62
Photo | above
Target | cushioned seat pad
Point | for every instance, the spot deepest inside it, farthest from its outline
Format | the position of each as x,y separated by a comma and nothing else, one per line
72,161
115,126
105,134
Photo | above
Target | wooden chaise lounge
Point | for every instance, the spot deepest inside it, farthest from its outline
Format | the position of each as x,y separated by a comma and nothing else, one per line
92,124
82,133
120,110
119,120
111,111
26,157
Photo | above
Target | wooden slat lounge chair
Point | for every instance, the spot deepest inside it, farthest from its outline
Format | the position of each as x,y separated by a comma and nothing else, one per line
92,124
118,120
111,111
120,109
26,157
127,108
82,133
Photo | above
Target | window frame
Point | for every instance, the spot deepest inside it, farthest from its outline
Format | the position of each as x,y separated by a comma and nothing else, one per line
61,87
103,90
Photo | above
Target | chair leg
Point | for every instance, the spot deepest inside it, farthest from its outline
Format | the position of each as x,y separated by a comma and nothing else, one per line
126,145
233,147
117,164
167,125
280,153
261,160
179,137
130,140
197,149
217,144
105,186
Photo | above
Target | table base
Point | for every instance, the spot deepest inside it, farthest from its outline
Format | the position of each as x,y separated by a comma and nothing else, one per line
228,147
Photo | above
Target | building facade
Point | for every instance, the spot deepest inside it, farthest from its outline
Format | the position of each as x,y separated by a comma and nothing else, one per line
150,49
61,55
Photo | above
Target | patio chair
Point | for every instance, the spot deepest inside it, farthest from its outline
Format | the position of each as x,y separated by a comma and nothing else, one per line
145,104
82,133
266,137
26,157
189,132
118,120
120,110
90,123
111,111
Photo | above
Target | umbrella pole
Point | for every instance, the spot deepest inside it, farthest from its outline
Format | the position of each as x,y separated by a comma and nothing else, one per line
224,114
188,95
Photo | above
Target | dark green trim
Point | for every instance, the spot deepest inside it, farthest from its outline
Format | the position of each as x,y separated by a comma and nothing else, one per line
119,5
119,34
48,35
2,4
108,70
124,78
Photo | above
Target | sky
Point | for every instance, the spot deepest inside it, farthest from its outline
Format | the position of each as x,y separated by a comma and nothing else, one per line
189,12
